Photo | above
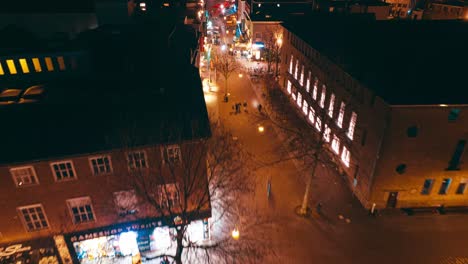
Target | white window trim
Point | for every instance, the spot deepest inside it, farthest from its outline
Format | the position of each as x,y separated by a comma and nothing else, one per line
336,144
323,96
352,125
314,92
97,157
311,114
20,168
55,175
299,100
23,221
318,123
345,156
339,121
331,105
128,160
289,87
327,133
68,201
305,107
165,149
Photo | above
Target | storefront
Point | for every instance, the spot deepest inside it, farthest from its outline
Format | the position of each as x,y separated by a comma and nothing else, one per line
39,251
129,242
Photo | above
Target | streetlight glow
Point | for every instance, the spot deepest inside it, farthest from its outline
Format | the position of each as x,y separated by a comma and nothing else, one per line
223,47
240,75
235,233
261,129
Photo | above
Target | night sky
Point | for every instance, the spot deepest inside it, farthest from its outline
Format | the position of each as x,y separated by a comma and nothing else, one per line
30,6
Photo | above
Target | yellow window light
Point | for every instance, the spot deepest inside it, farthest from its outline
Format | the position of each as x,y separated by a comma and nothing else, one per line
1,70
24,65
37,65
61,63
11,66
50,66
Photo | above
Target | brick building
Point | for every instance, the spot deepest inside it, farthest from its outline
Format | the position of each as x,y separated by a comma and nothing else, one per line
69,157
395,114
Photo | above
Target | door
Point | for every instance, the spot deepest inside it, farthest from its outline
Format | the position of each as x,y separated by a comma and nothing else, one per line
392,199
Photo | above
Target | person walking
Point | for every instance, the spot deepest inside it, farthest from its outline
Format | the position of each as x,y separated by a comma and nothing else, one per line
259,108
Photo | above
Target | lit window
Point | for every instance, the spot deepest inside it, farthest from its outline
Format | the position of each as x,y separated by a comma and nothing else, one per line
326,133
37,65
34,217
24,65
308,82
322,99
444,186
289,87
301,80
81,210
299,100
336,144
61,63
305,107
136,160
126,202
345,156
24,176
331,105
11,66
168,195
50,66
1,69
100,165
314,92
318,123
311,115
427,186
291,64
171,153
339,122
293,95
296,69
352,125
63,170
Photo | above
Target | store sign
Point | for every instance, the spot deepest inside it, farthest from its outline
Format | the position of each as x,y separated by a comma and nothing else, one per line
13,249
115,231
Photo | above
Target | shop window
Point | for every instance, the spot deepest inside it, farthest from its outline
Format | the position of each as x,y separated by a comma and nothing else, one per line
336,144
299,100
339,121
49,64
81,210
305,107
171,154
454,163
63,170
168,195
37,65
444,186
427,186
400,169
412,131
331,105
100,165
61,63
136,160
345,156
352,126
24,176
34,217
11,66
326,133
311,115
318,123
24,65
126,202
322,98
453,114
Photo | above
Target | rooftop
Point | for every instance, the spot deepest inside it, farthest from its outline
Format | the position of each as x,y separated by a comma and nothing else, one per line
404,62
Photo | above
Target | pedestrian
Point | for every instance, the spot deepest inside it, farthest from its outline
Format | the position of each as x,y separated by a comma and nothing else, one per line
245,106
237,108
259,108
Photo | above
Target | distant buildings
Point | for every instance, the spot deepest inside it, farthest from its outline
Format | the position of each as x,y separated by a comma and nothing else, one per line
390,107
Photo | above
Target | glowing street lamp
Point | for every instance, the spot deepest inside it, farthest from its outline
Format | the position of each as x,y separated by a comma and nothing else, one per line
261,129
235,234
240,75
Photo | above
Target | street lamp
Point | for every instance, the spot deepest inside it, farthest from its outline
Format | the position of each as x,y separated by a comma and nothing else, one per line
235,234
261,129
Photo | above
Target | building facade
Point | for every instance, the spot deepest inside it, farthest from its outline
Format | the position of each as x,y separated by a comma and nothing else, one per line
396,152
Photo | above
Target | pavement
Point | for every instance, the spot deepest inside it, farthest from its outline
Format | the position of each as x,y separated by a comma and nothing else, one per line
343,232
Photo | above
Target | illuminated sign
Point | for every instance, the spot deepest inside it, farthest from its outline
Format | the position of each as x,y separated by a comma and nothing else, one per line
13,249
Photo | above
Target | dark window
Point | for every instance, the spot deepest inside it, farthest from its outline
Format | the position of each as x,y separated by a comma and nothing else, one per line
401,168
461,188
412,131
453,115
444,186
455,161
364,137
427,186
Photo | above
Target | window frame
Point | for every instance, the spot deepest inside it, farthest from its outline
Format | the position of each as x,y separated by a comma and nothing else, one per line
145,159
336,143
34,174
352,125
75,200
90,159
165,153
427,191
24,222
331,105
346,156
75,177
323,96
341,113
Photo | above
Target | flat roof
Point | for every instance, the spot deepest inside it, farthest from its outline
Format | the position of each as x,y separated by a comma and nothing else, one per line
404,62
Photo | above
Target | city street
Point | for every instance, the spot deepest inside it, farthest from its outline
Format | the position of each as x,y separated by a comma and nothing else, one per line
344,233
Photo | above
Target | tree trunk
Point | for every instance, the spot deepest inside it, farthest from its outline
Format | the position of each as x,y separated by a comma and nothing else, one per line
305,201
180,247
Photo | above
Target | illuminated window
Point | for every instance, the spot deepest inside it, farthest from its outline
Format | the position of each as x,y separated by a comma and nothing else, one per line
352,125
11,66
311,115
322,99
299,99
339,122
293,95
63,170
291,64
24,176
171,153
331,105
296,71
50,66
136,160
308,82
1,69
345,156
301,80
81,210
168,195
100,165
61,63
37,65
326,133
336,144
305,107
289,87
34,217
444,186
318,123
314,92
24,65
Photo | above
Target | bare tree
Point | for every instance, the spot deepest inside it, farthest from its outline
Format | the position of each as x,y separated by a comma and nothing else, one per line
201,178
226,65
273,42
